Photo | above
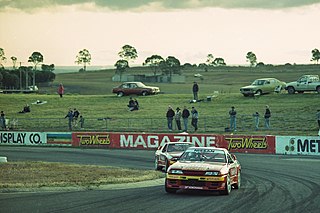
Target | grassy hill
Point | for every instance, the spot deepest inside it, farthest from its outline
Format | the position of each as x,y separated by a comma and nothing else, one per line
90,92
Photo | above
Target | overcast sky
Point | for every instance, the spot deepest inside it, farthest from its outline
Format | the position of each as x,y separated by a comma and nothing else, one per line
277,31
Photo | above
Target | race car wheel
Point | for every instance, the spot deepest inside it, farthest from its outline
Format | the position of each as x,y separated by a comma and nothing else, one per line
169,190
227,186
156,166
238,184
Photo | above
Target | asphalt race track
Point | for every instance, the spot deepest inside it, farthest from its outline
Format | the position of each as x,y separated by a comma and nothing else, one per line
270,183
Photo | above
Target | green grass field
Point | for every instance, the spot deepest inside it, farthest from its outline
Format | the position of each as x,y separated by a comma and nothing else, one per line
91,93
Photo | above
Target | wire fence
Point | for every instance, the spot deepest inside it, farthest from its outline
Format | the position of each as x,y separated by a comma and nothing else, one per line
216,124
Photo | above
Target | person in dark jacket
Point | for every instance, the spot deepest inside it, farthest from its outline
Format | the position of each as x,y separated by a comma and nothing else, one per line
170,115
195,90
178,118
70,118
185,116
267,116
195,116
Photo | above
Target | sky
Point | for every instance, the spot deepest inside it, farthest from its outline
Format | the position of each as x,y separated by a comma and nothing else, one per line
277,31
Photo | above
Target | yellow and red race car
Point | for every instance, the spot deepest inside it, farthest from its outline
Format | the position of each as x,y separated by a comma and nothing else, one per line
169,153
204,168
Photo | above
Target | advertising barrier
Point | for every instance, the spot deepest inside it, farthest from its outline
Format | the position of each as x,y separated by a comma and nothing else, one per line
22,138
249,144
138,140
59,138
304,145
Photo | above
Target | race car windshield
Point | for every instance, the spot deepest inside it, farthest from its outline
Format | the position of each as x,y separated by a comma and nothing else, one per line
178,147
208,155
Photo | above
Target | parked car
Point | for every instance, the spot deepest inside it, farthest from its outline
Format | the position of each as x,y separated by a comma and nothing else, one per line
169,153
263,86
304,83
204,168
135,88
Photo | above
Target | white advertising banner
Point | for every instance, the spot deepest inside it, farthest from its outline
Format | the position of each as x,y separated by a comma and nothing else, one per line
23,138
304,145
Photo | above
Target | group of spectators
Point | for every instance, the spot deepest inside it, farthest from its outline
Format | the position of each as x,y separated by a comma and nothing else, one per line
256,115
73,116
185,114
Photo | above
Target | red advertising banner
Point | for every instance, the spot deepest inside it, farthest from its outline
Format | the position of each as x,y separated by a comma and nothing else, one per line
139,140
249,144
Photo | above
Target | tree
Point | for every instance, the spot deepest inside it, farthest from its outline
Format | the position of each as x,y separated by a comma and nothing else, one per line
83,57
128,53
251,58
210,59
2,57
219,62
153,61
14,61
121,65
45,67
35,58
315,55
170,66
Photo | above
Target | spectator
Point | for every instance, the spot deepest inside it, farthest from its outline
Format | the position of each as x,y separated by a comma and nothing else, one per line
233,119
60,90
70,118
170,115
267,116
256,116
3,121
178,118
26,109
76,114
318,118
195,116
185,116
136,104
195,90
133,104
81,121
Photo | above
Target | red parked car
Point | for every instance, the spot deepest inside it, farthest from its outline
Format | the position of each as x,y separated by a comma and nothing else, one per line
135,88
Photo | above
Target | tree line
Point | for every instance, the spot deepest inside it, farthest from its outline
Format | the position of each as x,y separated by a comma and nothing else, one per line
167,66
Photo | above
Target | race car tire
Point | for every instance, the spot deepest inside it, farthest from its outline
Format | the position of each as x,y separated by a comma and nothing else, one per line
227,188
238,184
169,190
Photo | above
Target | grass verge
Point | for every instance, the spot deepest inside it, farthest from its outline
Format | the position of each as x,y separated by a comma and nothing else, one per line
45,174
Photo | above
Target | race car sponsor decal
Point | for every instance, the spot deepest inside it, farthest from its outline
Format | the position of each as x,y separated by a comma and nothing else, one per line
200,178
305,145
23,138
250,144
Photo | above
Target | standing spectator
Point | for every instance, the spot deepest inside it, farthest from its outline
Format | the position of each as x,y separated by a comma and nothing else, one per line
70,118
81,121
195,116
318,118
185,116
233,119
170,115
195,90
76,114
178,118
256,116
267,116
60,90
3,121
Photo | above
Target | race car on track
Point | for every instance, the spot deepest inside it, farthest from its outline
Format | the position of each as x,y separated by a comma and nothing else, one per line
204,168
169,153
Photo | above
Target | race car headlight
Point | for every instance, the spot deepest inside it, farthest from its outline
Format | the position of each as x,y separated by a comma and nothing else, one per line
176,172
212,173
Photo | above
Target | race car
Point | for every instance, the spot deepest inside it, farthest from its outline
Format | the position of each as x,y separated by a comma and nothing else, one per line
169,153
204,168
